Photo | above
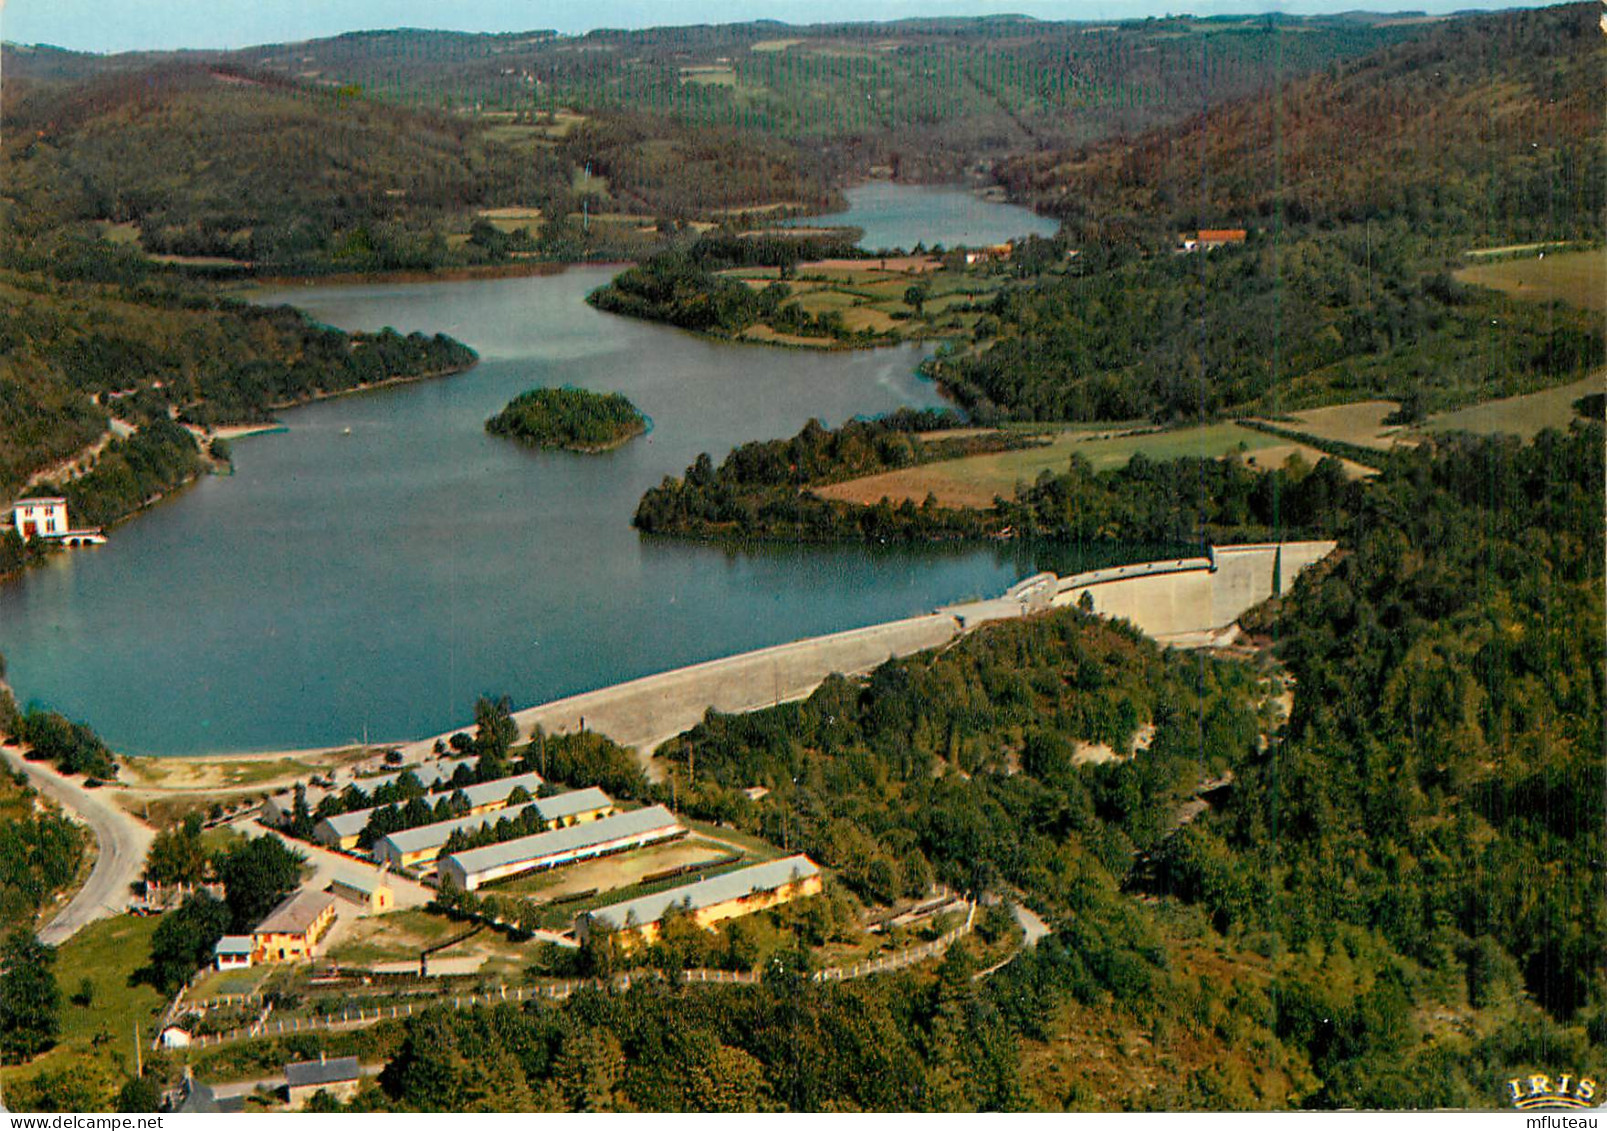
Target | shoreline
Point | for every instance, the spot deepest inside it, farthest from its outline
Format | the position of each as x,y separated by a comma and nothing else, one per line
229,432
446,275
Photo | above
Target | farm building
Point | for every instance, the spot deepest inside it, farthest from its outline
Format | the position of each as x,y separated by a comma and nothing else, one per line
709,901
339,1076
423,844
233,952
575,807
993,253
371,893
292,929
343,829
201,1099
433,776
1207,238
468,870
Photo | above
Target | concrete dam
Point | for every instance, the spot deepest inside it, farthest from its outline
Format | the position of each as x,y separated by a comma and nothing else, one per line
1185,602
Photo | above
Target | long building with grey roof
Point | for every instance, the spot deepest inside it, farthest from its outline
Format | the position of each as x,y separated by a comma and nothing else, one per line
343,829
476,866
709,901
409,847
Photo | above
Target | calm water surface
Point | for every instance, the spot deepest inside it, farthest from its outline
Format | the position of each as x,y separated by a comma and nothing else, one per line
900,216
384,561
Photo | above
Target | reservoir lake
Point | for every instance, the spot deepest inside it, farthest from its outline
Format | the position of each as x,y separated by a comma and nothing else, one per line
382,561
901,216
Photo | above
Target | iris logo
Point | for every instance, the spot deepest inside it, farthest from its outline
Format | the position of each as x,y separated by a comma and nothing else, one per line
1530,1093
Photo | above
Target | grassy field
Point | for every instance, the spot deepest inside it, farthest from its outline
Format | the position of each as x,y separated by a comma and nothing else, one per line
611,873
870,295
392,938
1361,424
174,773
97,1040
976,480
1577,277
1520,416
711,75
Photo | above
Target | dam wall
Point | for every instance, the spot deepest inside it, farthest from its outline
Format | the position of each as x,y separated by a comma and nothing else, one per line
1181,602
1178,600
645,712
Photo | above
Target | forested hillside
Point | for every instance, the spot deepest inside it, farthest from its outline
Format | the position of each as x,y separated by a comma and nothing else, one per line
926,97
1483,126
1278,324
208,161
1389,901
371,151
90,337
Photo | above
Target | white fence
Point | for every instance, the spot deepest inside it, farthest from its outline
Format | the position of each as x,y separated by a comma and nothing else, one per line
552,991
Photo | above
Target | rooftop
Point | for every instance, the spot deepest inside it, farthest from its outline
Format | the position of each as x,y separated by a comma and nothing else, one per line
311,1072
706,893
234,944
41,501
563,840
485,793
550,808
202,1100
575,801
295,914
367,884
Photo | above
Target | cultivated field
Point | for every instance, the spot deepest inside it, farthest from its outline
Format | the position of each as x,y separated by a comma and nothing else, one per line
976,480
1361,424
1519,416
1577,277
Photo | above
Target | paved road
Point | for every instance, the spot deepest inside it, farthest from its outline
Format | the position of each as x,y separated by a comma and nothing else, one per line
123,839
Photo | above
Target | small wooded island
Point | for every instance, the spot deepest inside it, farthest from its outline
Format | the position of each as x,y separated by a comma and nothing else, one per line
568,418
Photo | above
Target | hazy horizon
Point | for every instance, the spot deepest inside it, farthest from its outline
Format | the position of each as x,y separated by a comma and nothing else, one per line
174,25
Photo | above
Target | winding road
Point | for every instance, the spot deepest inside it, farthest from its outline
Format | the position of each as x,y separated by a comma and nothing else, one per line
123,839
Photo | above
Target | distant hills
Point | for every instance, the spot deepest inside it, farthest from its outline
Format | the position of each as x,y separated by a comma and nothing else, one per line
1487,124
924,98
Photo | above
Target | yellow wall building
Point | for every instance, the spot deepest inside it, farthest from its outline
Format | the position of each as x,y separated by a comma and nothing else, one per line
292,930
710,901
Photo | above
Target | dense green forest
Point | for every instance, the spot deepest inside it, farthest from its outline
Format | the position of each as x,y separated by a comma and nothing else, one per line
1281,323
572,419
760,489
40,850
1357,313
762,492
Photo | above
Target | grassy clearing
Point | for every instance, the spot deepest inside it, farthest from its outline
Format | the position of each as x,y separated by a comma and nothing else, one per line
393,938
175,773
1576,277
976,480
218,983
1361,424
763,333
713,75
97,1040
611,873
1519,416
